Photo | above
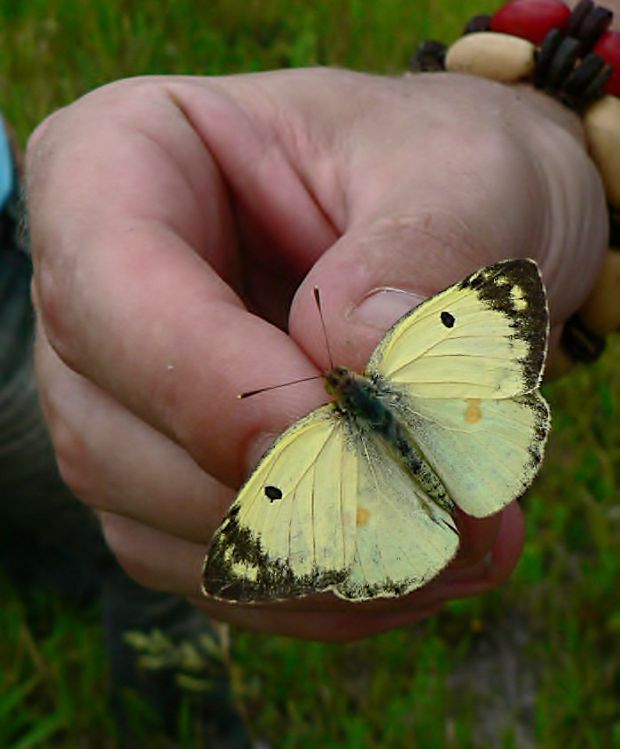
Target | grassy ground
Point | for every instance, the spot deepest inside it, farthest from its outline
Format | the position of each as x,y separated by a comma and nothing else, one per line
534,664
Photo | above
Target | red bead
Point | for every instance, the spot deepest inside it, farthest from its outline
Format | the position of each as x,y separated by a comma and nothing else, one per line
608,47
530,19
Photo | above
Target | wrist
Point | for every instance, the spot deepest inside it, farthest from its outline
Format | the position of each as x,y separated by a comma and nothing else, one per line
574,57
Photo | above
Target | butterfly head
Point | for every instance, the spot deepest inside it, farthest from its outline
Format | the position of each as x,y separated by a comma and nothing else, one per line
337,380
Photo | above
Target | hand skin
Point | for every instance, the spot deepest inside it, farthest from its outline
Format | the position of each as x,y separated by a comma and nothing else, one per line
179,225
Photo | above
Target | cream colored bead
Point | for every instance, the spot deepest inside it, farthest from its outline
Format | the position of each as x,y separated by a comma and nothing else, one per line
602,126
501,57
601,312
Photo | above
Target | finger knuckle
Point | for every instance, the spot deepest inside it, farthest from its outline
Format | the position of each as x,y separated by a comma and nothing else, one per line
51,301
73,460
119,536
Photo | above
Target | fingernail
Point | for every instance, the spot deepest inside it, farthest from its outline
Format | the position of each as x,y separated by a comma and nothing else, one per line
383,307
259,447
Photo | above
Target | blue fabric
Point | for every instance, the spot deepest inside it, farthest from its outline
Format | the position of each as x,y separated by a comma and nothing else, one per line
7,175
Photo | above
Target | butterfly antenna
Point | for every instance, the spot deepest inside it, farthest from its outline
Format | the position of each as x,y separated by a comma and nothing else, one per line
275,387
250,393
317,299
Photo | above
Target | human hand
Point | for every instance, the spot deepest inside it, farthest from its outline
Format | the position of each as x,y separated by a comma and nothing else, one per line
178,227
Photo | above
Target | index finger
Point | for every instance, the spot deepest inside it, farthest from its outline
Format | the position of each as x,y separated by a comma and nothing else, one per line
137,262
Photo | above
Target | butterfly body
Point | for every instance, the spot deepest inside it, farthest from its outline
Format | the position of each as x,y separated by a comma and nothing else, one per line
358,497
365,402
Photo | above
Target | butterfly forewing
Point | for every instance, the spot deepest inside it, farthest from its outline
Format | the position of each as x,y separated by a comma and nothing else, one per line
291,529
484,337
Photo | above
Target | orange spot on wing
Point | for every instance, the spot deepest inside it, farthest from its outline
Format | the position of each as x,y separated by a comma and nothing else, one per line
473,411
362,516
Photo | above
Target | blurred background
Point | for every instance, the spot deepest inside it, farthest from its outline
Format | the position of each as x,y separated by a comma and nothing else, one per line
535,664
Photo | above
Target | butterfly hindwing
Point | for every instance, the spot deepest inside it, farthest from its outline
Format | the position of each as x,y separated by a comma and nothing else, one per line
291,529
486,452
403,539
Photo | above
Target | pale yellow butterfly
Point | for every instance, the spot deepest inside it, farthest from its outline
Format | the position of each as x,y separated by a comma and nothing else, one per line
359,496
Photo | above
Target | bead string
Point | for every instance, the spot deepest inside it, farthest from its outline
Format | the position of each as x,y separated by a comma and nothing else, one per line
573,56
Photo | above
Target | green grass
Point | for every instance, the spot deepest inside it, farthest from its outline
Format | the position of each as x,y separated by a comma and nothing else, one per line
554,628
51,51
52,668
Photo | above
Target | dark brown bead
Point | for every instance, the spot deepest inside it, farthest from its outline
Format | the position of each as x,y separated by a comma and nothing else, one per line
430,56
580,11
477,23
594,25
595,88
581,344
614,228
579,80
561,64
545,55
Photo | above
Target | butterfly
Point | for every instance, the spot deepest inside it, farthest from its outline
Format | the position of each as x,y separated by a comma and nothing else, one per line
359,497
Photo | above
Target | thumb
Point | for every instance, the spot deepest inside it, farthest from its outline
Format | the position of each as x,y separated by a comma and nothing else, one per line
368,281
428,220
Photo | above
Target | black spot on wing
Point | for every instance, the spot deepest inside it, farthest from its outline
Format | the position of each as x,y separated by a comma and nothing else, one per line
234,544
447,319
273,493
495,286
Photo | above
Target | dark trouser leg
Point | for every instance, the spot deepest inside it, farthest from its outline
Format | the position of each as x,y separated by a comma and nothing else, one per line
48,538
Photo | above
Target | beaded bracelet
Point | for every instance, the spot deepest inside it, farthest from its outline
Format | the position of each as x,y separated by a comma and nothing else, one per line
572,56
